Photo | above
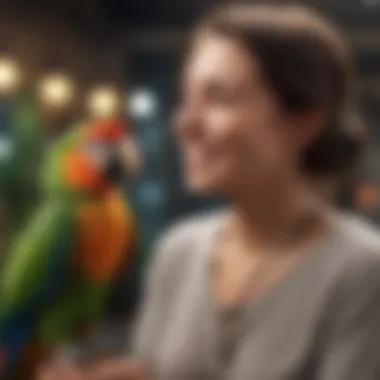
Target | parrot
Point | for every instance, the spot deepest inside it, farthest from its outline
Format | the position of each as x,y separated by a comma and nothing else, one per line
61,265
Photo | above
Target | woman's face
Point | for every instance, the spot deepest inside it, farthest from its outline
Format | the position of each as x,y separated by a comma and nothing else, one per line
230,129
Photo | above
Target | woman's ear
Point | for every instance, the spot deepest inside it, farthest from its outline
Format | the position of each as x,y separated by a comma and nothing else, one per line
308,126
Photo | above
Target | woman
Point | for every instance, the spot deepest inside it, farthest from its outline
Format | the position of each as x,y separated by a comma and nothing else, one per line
280,286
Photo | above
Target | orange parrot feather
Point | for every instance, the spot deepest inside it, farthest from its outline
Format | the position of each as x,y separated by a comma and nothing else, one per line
105,234
81,173
105,226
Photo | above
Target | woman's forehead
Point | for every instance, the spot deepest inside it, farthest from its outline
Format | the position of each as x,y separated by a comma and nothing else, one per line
215,57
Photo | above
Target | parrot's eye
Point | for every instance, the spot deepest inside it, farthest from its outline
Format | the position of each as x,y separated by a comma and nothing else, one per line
105,156
99,153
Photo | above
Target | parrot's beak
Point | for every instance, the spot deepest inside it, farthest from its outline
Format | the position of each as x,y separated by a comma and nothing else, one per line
130,156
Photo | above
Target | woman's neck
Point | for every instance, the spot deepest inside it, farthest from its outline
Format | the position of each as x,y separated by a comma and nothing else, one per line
277,217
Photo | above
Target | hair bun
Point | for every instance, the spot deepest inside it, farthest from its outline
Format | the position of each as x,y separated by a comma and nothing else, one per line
339,147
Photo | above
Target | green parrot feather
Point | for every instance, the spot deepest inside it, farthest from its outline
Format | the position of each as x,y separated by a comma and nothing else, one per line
51,178
51,230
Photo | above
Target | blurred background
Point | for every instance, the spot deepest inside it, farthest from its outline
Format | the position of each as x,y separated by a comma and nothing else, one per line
91,57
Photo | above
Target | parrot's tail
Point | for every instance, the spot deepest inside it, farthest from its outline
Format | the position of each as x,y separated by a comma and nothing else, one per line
2,363
27,364
12,343
32,357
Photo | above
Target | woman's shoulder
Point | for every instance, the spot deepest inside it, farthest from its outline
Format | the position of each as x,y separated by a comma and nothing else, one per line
357,256
351,312
363,229
359,237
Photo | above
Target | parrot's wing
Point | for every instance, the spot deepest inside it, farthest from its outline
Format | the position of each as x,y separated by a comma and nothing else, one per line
32,275
36,262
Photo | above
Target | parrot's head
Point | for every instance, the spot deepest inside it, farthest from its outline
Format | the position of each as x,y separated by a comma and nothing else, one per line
106,154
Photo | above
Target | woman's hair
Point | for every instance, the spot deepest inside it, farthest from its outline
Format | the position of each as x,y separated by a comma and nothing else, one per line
307,63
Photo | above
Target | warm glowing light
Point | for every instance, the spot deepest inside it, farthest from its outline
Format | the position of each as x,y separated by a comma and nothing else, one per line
104,101
142,103
10,75
56,90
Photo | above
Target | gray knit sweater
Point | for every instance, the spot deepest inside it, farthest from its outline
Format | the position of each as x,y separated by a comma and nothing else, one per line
322,322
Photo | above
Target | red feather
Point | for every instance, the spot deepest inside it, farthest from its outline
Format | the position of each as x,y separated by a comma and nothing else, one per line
108,130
